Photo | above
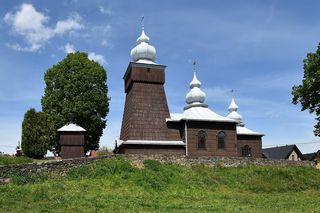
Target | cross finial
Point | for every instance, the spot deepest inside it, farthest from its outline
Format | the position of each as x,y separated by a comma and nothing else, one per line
232,91
142,22
194,66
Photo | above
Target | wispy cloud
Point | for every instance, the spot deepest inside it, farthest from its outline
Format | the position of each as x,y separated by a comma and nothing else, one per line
105,11
33,27
69,48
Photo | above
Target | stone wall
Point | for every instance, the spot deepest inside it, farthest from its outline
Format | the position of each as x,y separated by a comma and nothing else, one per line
60,167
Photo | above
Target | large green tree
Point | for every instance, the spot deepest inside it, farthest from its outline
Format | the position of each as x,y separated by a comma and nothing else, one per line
35,133
308,93
76,92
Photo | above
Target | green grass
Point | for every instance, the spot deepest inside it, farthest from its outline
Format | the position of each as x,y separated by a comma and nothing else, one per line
113,185
6,160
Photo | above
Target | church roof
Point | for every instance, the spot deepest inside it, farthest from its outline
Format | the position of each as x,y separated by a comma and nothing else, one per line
71,128
199,114
150,142
196,109
241,130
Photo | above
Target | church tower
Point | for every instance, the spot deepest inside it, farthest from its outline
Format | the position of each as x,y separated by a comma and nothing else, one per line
146,108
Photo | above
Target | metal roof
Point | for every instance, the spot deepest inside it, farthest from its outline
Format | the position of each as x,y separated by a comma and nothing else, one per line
71,128
199,114
150,142
241,130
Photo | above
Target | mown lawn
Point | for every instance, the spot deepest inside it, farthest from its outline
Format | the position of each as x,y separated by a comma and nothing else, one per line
113,185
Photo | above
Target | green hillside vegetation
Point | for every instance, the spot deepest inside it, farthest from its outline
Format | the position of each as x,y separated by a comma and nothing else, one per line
117,185
7,160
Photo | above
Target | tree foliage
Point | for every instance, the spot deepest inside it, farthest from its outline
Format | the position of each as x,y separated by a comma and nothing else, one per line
35,134
308,93
76,92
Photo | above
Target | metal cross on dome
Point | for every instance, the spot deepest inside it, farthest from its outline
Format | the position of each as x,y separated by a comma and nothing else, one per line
194,66
142,22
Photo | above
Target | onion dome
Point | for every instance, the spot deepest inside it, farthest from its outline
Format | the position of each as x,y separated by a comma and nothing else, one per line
143,52
195,97
234,115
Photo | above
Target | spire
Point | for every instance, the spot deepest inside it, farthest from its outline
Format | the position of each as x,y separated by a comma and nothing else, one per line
233,108
195,82
142,22
195,96
143,52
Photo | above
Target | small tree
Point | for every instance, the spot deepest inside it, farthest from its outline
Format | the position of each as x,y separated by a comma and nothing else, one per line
34,134
308,93
76,92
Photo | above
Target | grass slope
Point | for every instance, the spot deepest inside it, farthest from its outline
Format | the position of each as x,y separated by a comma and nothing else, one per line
113,185
7,160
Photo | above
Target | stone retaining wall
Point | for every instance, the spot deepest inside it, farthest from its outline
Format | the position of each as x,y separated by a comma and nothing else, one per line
60,167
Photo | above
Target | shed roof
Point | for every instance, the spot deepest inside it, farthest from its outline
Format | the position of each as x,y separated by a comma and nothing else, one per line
71,128
281,152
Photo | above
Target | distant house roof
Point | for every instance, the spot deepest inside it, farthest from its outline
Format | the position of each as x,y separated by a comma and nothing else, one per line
311,156
71,128
281,152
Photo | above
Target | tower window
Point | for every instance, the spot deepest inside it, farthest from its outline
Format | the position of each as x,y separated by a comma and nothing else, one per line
221,140
246,151
202,135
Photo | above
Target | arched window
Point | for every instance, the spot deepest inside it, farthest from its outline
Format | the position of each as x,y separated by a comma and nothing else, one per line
202,139
246,151
221,140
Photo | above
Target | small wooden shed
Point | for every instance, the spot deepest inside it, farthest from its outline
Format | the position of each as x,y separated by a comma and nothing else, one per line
71,140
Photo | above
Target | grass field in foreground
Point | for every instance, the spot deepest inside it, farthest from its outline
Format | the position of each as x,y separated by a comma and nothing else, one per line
113,185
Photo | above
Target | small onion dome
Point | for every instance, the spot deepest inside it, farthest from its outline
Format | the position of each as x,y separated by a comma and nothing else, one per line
233,113
195,95
143,51
195,82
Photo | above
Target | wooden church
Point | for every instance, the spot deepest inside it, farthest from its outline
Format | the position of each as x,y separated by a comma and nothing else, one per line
149,128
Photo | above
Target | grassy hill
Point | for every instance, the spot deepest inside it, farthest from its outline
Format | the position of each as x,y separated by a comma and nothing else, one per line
117,185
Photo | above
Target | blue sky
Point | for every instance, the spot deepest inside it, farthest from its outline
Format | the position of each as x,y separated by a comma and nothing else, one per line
253,47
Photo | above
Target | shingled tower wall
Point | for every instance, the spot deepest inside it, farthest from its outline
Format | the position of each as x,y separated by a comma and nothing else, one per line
146,107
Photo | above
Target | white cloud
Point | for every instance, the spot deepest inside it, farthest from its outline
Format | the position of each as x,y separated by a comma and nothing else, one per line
69,48
32,25
105,11
72,23
97,58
